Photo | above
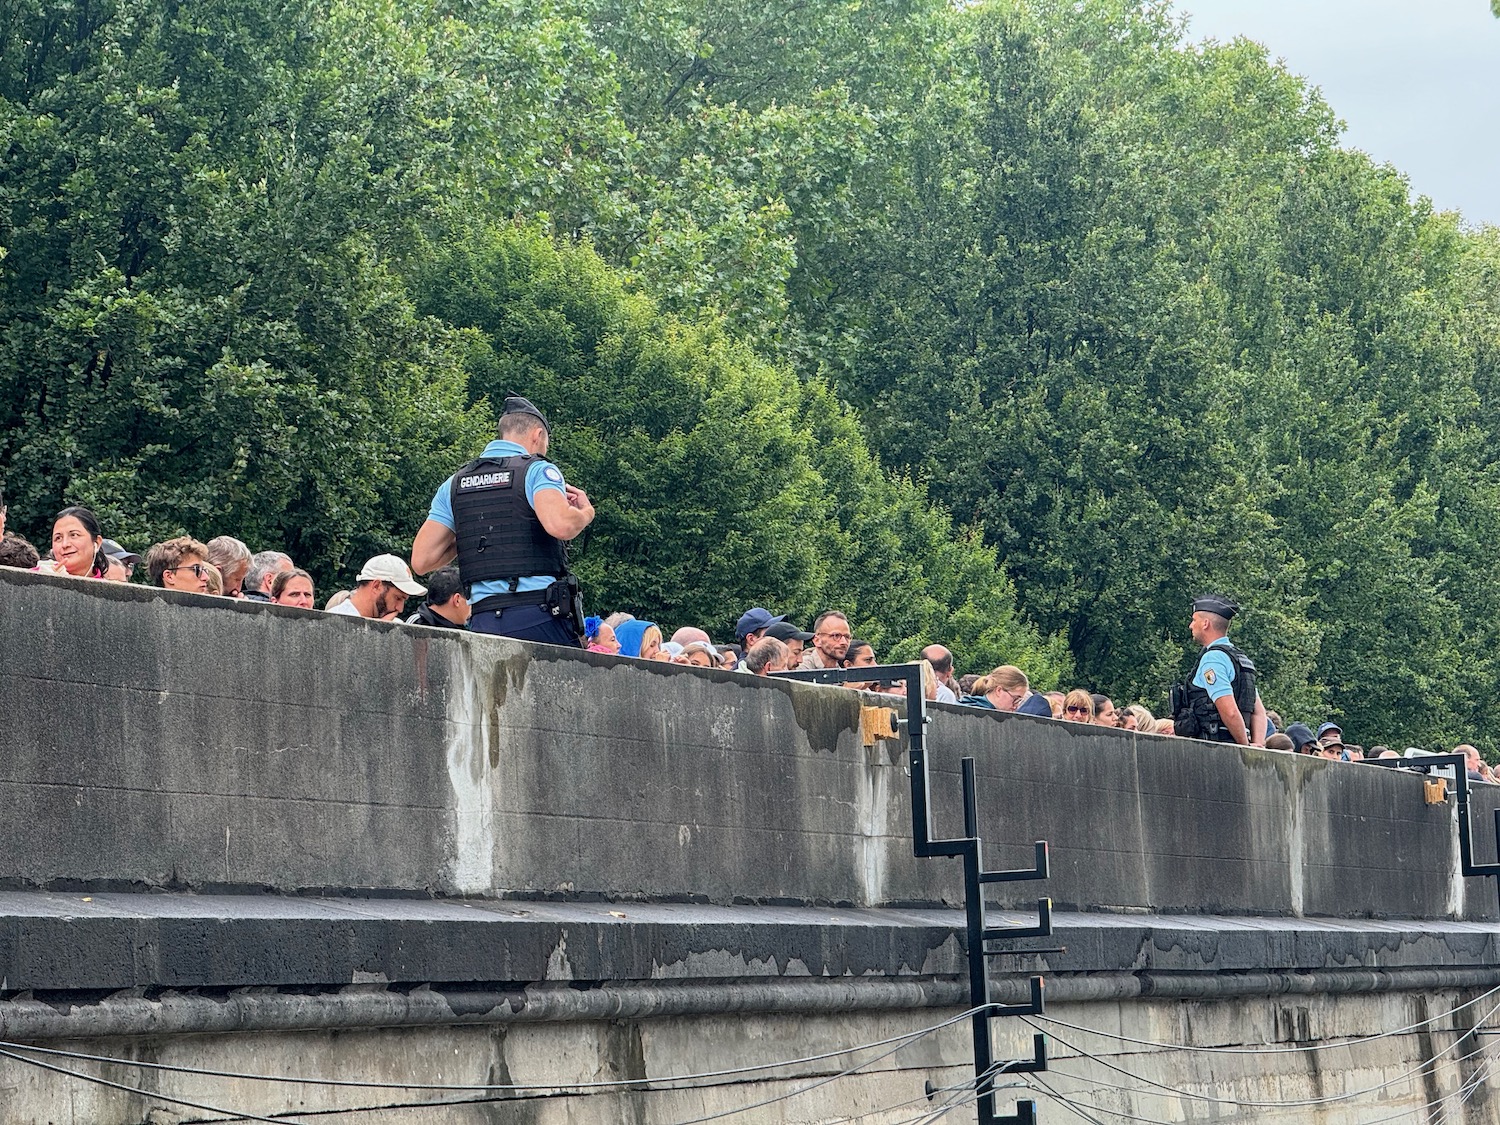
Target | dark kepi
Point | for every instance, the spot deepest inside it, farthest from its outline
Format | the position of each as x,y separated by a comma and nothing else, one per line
515,404
1216,604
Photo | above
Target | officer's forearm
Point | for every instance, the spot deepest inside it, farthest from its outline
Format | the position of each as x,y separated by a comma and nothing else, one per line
561,518
1260,722
435,547
1234,722
568,523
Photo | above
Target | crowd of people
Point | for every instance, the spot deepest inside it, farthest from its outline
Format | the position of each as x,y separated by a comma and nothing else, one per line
764,643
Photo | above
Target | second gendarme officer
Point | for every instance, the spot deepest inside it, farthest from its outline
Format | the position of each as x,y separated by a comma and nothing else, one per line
1218,702
507,517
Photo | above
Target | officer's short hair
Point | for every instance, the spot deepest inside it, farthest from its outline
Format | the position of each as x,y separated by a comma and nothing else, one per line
519,417
517,425
442,585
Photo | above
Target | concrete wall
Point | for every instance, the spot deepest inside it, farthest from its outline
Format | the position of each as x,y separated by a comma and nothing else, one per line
499,863
164,741
1312,1067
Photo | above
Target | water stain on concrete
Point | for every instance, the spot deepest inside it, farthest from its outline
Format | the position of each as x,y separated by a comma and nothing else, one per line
824,714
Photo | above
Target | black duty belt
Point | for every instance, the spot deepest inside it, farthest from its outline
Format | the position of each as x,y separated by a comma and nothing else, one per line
496,602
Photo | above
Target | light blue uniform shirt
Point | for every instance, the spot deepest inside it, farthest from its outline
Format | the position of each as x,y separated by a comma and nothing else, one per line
1215,673
540,475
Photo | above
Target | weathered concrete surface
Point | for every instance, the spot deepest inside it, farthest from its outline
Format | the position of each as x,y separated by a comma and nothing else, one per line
465,833
108,942
165,741
1313,1063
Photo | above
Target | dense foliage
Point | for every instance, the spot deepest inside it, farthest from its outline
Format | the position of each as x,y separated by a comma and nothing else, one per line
1012,323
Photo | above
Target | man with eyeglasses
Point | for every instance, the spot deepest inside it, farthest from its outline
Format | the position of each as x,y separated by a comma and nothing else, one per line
179,564
830,640
122,563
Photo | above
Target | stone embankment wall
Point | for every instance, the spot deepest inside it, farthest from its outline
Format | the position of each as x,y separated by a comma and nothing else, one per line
264,840
157,741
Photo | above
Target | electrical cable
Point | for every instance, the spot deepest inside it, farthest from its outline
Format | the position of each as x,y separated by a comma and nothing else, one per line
1265,1050
1077,1108
243,1115
960,1093
1296,1104
232,1114
202,1072
899,1041
1470,1086
969,1098
801,1089
1263,1105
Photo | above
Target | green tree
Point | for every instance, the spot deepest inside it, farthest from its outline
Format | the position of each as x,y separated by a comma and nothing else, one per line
720,481
202,329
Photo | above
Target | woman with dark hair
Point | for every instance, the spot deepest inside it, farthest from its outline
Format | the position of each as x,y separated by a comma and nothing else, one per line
860,654
1104,711
77,545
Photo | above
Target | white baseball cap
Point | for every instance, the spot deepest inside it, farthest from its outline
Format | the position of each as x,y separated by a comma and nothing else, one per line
388,568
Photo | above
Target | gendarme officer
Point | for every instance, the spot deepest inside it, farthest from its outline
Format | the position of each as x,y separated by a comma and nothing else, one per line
507,517
1219,701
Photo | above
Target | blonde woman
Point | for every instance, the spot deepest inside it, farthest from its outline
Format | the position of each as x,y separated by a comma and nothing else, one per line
1008,689
1078,706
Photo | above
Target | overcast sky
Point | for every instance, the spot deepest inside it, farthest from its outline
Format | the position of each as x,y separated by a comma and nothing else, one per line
1416,81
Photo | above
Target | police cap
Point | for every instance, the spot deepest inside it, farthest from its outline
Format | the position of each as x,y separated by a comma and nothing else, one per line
515,404
1216,604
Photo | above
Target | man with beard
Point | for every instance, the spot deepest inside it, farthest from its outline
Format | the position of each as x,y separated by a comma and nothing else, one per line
831,639
381,590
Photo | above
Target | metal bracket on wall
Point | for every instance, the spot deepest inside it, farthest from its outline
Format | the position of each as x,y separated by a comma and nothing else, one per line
1430,763
968,848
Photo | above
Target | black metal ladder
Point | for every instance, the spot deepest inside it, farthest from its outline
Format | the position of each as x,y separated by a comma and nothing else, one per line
967,847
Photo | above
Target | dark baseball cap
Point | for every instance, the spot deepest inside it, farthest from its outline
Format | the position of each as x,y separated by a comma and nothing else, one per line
786,631
756,618
1326,727
115,551
515,404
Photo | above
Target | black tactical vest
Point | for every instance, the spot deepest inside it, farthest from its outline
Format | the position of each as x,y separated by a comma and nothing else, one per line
1193,712
499,536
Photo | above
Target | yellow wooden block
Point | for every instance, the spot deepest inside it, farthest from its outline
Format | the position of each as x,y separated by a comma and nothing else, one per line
877,722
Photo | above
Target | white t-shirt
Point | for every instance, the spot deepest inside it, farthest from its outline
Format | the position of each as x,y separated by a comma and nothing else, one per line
346,607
